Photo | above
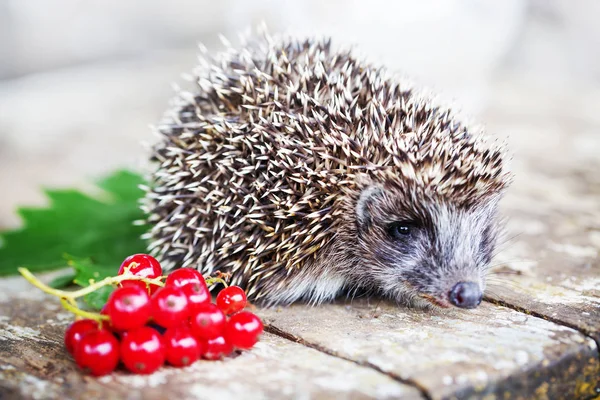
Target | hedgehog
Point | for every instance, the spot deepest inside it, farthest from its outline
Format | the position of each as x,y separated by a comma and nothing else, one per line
306,172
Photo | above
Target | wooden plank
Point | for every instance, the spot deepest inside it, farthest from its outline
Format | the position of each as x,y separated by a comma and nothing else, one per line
34,365
552,258
490,352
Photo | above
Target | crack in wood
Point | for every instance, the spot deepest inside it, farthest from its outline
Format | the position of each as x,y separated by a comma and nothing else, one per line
523,310
544,376
293,338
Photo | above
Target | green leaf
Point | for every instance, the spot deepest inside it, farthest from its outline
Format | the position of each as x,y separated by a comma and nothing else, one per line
62,281
97,299
87,272
99,229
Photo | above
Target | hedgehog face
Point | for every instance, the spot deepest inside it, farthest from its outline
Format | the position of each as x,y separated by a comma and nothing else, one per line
430,252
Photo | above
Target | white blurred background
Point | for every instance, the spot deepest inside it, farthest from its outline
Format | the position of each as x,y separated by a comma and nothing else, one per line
80,81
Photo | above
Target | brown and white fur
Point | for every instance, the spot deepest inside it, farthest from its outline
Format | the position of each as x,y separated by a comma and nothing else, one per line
307,172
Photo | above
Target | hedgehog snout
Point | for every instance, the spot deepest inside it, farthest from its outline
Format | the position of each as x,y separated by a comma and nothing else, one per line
465,295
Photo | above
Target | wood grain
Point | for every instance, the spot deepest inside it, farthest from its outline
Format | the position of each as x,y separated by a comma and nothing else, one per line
35,365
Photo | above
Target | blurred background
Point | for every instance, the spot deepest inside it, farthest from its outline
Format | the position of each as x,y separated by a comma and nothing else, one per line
81,81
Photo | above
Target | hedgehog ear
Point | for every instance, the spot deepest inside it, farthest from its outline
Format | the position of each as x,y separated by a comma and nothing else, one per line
368,196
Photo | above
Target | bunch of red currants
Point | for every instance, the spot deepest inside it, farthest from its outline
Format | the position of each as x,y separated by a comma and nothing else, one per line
148,324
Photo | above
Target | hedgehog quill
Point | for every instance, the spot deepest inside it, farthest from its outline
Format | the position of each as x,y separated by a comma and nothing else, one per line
307,172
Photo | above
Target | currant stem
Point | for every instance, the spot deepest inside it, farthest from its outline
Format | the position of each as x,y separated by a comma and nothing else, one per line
113,280
85,314
68,299
39,284
214,281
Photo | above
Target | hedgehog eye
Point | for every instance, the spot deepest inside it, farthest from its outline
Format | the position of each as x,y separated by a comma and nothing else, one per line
400,230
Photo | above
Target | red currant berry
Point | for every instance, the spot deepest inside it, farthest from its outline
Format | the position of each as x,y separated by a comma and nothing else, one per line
207,322
243,329
97,352
169,307
128,308
183,276
231,299
197,295
181,346
75,332
141,265
143,350
217,348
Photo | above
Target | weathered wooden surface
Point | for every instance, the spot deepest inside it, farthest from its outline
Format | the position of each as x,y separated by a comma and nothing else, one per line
357,349
549,264
35,365
490,351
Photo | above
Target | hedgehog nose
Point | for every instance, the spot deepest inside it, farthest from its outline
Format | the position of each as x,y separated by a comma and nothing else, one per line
466,295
